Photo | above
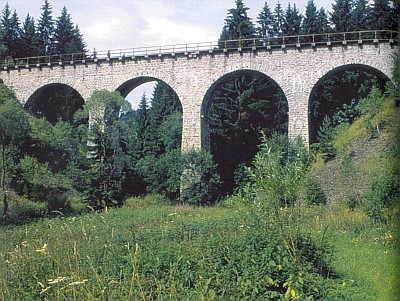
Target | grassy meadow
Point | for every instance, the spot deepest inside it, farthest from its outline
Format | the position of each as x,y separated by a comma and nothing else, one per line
149,250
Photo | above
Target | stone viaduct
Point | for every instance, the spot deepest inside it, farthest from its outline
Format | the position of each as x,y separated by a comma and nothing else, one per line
195,71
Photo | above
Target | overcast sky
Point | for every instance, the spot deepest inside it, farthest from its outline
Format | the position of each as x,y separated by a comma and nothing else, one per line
111,24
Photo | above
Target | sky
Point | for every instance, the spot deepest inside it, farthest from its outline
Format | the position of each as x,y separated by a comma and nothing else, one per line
121,24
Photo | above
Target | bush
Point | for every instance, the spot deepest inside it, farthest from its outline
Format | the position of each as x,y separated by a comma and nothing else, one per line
313,192
199,179
276,173
21,210
378,195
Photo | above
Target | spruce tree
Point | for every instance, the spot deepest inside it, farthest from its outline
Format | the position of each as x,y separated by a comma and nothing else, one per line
46,30
238,24
63,33
322,21
14,47
310,21
265,22
67,36
29,41
385,15
278,20
164,103
143,128
6,28
362,15
292,22
341,15
78,44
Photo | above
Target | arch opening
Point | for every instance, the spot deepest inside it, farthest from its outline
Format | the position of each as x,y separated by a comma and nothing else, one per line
157,123
236,109
55,102
337,93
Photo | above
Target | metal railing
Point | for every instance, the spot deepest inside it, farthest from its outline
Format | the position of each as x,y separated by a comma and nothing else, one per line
194,49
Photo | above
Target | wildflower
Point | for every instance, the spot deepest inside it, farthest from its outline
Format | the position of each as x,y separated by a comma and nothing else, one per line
77,282
56,280
42,250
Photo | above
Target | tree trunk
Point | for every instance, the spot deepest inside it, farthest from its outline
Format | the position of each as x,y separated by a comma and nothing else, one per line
2,181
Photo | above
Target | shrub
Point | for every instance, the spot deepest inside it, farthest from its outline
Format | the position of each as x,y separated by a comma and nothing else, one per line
199,179
381,189
313,192
277,171
22,210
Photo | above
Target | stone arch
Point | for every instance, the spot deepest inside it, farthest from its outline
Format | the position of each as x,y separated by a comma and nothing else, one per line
46,102
238,144
378,72
129,84
212,90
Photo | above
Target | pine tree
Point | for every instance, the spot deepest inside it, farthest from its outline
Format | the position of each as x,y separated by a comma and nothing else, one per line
64,32
322,21
292,22
278,20
385,15
29,41
15,43
67,36
164,103
143,139
310,21
77,43
341,15
46,30
237,24
361,16
6,28
265,22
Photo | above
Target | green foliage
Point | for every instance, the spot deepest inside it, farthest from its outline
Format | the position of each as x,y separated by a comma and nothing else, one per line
148,250
199,180
380,192
14,129
277,172
370,107
324,138
242,108
313,192
162,174
237,24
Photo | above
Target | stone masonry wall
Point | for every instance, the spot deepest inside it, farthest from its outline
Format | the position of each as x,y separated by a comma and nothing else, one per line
295,70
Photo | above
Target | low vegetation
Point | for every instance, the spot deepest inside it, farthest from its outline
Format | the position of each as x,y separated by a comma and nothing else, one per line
285,235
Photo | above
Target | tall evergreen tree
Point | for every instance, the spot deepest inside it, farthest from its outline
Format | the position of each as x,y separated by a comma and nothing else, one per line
341,15
64,32
143,138
265,21
385,15
15,41
322,21
46,30
3,48
292,22
310,21
164,103
6,28
238,24
362,15
67,37
78,44
279,19
29,40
